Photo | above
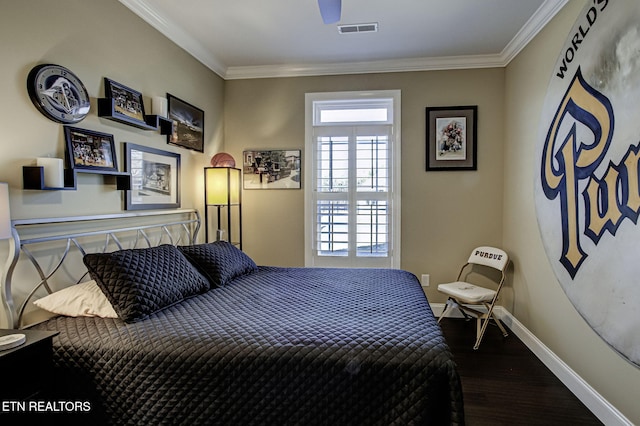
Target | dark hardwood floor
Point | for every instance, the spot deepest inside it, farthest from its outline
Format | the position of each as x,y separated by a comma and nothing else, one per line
504,383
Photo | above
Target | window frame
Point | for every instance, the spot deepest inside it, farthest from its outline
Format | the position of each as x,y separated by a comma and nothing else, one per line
338,100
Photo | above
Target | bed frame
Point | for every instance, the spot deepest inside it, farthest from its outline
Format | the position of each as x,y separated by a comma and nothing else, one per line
226,355
46,252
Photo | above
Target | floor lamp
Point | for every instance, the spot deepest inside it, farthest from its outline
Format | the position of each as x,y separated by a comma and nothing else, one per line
222,190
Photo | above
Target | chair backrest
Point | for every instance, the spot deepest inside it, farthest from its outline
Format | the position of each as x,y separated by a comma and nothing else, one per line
489,256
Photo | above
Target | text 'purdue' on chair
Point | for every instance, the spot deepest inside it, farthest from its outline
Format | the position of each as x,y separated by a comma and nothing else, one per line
464,295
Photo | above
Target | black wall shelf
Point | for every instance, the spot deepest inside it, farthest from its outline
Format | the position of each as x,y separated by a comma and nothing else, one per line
33,178
106,109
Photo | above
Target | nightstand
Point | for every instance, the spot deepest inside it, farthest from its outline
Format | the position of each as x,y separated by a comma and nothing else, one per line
30,365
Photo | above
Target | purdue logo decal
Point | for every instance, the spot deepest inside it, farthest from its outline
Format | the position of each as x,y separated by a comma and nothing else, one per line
587,173
565,161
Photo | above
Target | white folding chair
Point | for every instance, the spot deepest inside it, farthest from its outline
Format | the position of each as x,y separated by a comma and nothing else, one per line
465,295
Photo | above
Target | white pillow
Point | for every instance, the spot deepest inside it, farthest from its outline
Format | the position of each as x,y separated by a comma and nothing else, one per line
80,300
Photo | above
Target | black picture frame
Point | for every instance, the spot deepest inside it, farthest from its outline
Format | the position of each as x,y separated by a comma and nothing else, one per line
451,138
90,150
155,178
272,169
188,124
128,104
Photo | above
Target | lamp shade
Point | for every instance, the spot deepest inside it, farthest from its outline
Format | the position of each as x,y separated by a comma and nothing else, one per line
5,213
222,186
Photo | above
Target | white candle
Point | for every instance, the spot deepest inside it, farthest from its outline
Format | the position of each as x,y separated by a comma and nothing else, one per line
159,106
53,171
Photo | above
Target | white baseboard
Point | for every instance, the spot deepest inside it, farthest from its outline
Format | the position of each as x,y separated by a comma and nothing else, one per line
599,406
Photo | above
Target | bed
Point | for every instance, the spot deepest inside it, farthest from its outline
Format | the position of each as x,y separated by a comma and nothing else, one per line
203,335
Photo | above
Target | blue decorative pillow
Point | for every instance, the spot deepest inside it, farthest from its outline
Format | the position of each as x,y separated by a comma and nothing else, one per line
140,282
220,262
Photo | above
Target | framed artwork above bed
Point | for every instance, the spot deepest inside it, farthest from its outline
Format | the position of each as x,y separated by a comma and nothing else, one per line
155,178
128,103
89,150
188,124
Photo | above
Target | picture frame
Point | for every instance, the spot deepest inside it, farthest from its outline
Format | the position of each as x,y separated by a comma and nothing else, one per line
128,104
89,150
188,124
155,178
451,138
272,169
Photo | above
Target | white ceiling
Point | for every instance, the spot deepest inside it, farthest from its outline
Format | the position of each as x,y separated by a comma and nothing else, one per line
269,38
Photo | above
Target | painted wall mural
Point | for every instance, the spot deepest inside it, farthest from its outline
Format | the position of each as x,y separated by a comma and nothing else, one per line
587,184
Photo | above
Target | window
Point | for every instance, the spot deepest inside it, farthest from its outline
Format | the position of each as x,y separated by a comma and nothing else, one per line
352,202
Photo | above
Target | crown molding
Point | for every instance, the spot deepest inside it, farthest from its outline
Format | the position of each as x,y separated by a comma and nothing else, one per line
176,34
536,23
368,67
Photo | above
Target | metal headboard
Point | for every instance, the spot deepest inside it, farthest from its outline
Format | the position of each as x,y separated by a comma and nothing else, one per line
58,237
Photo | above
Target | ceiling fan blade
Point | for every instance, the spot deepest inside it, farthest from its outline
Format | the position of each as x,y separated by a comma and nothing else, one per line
330,10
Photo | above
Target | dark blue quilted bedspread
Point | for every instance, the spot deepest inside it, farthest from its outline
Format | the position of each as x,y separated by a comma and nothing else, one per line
278,346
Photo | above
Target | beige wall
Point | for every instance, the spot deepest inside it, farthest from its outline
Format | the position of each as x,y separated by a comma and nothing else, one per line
540,303
444,214
94,39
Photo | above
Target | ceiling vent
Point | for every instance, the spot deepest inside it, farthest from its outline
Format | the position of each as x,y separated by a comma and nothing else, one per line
358,28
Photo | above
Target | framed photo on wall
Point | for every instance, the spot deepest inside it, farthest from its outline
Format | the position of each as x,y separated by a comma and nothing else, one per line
271,169
127,103
188,124
90,150
155,178
451,138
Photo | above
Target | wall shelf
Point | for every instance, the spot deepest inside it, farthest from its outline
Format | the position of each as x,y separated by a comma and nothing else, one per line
33,178
106,109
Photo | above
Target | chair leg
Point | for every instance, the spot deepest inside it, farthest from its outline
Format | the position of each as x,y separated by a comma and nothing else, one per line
466,316
499,324
449,306
480,332
444,313
485,323
497,320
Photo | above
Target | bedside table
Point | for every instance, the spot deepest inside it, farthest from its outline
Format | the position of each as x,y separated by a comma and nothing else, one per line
30,365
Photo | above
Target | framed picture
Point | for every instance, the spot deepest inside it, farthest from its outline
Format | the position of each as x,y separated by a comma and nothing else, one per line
155,178
271,169
90,150
188,124
128,104
452,138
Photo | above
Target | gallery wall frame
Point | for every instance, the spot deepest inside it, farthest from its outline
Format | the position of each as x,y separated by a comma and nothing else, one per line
451,138
128,103
272,169
89,150
188,124
155,178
